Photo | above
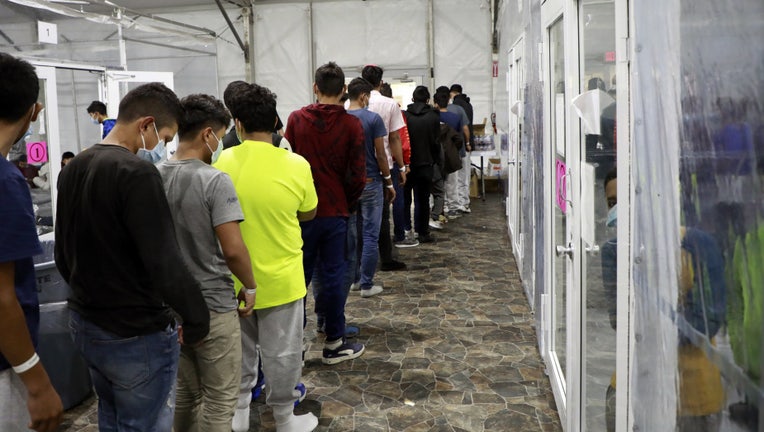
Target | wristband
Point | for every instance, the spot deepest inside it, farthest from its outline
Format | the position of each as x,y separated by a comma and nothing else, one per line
390,186
387,178
402,169
251,291
29,364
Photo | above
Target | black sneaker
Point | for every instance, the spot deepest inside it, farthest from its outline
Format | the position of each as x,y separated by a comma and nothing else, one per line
393,266
426,238
346,351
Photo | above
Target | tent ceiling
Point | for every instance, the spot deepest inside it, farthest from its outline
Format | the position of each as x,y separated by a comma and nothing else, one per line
13,13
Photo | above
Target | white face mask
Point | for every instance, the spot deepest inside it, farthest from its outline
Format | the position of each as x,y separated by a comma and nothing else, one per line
612,216
216,153
156,154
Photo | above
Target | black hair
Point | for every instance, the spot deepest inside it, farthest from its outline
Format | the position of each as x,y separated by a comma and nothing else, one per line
372,74
443,89
358,87
611,175
254,106
386,90
456,88
330,79
201,111
19,88
67,155
421,94
441,99
153,99
344,97
231,89
96,107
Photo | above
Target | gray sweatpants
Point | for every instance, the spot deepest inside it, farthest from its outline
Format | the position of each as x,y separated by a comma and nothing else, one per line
14,416
278,332
438,192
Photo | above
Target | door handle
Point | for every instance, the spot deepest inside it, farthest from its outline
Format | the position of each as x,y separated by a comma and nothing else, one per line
562,250
593,250
510,162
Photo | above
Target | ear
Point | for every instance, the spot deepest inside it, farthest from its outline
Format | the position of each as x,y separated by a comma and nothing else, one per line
315,89
36,110
144,122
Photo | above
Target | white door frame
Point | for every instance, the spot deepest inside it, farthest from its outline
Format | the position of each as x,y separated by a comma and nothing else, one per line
514,72
567,387
50,116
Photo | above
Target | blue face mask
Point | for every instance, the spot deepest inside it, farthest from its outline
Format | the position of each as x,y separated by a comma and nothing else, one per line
612,216
216,153
154,155
28,135
94,121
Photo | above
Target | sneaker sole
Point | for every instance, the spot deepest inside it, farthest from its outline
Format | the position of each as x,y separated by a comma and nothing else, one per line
336,360
406,245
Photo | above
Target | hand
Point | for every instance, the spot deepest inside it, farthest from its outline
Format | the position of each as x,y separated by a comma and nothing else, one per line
403,176
45,409
389,194
249,302
469,147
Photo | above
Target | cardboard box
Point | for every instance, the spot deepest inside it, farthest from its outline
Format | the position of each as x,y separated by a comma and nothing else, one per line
474,191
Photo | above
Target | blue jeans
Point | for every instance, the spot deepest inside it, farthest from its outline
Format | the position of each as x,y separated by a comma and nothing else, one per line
372,200
352,274
399,207
134,377
325,238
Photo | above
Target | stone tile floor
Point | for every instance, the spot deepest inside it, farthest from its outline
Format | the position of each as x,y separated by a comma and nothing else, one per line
450,346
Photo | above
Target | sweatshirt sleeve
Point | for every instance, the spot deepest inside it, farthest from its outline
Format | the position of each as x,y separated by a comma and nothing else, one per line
148,219
356,180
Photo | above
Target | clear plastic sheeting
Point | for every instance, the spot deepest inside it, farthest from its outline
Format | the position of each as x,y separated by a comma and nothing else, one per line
283,54
698,231
392,33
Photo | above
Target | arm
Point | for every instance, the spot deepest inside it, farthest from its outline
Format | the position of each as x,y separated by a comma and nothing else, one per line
355,180
149,221
306,216
379,150
397,151
45,409
237,259
466,131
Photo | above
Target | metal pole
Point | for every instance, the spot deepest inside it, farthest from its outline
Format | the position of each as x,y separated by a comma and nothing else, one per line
431,44
311,46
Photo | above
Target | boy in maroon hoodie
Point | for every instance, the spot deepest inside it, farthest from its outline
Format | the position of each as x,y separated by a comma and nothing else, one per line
332,141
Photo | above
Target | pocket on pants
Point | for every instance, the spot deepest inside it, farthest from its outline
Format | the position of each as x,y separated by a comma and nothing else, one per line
124,361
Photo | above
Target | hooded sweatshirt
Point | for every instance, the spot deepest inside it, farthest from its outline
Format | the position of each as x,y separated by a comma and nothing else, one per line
464,101
424,129
332,141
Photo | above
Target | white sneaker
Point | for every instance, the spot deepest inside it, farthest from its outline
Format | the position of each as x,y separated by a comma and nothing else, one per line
374,290
240,420
355,286
436,224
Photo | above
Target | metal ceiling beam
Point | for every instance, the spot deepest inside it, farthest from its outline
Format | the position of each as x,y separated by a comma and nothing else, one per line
9,40
175,47
233,30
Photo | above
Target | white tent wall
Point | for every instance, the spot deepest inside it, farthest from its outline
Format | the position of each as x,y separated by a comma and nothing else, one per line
392,34
462,30
282,54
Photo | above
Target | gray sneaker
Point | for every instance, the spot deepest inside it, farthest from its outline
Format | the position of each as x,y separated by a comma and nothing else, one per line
407,243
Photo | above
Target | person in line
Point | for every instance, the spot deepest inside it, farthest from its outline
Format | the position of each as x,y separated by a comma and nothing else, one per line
116,248
276,192
66,157
424,128
379,190
29,400
391,115
333,143
453,121
207,214
97,112
456,203
461,100
231,139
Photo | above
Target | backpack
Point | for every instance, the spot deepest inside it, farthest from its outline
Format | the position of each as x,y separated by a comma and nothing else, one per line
451,142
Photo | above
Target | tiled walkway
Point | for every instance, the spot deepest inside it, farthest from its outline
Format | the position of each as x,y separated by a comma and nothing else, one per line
449,345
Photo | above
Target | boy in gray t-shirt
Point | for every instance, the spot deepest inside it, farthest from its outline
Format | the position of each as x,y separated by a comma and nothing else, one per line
207,214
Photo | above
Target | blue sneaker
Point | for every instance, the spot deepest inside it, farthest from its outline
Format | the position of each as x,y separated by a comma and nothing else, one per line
346,351
260,386
303,393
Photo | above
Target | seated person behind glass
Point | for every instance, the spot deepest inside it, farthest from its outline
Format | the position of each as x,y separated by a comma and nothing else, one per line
702,304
